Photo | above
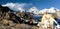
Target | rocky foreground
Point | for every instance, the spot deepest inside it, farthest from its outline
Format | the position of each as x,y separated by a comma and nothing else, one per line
12,20
5,24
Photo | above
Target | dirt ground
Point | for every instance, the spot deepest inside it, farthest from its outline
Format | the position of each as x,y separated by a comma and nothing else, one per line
16,26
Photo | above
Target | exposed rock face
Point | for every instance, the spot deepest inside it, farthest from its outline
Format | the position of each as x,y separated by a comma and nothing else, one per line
4,9
5,13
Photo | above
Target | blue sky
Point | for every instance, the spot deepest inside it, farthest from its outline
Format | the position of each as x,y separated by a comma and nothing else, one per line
40,4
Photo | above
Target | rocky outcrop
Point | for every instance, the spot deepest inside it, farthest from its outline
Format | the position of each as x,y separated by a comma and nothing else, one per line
10,19
7,13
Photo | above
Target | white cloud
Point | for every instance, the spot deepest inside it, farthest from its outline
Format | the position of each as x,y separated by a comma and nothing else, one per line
10,5
16,6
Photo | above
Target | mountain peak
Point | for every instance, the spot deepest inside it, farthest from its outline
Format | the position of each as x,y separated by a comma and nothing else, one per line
34,10
50,10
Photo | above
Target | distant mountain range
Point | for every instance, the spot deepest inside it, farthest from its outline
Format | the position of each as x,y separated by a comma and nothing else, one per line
32,9
36,11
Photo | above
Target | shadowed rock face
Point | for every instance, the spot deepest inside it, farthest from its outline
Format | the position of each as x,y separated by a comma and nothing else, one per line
0,8
4,9
0,5
10,16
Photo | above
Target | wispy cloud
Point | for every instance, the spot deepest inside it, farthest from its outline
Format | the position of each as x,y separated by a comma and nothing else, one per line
17,6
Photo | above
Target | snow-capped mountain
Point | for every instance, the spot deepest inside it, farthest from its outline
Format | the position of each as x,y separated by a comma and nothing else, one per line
34,10
43,11
50,10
